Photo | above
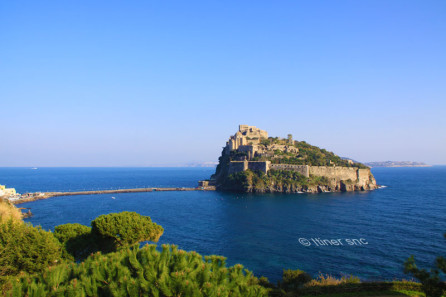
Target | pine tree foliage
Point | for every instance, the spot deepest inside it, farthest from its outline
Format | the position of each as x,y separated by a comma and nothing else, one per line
108,233
142,272
77,239
27,248
120,230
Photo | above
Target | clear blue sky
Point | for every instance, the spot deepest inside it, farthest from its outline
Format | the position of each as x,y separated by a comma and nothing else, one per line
165,83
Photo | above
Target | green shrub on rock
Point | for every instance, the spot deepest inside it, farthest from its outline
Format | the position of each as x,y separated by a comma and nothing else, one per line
143,272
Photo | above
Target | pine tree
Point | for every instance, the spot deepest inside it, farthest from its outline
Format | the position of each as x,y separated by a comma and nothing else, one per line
143,272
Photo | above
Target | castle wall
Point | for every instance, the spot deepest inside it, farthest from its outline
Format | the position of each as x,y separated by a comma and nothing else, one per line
302,169
365,176
237,166
259,165
249,149
338,173
362,177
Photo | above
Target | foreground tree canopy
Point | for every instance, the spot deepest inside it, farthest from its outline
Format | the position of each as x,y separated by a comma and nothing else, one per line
108,233
43,262
24,248
124,229
142,272
27,248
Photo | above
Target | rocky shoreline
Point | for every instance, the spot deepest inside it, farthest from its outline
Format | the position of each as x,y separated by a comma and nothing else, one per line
340,187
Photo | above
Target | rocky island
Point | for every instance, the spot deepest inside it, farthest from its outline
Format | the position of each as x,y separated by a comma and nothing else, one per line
253,162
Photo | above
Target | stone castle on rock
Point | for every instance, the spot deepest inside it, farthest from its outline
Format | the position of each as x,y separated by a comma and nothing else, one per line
250,149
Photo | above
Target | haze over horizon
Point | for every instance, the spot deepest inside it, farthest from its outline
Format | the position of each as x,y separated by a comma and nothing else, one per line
133,83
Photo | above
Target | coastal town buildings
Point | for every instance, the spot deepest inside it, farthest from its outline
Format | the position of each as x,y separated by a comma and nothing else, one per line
7,192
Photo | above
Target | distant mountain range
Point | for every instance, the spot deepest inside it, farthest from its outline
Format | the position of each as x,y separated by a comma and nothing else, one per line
396,164
202,164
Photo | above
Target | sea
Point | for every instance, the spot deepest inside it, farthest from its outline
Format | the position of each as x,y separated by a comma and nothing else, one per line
366,234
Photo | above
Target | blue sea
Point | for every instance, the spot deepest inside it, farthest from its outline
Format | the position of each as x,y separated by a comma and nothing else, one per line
375,231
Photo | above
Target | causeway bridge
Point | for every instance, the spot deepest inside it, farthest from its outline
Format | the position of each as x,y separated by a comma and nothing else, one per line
46,195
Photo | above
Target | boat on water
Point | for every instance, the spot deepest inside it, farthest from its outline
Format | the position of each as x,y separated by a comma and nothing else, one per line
34,168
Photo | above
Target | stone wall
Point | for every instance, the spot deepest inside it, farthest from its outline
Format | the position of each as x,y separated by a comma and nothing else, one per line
302,169
365,177
361,177
237,166
338,173
248,149
252,131
259,165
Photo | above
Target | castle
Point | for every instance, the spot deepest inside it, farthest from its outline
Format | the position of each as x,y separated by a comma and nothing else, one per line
251,149
246,136
248,139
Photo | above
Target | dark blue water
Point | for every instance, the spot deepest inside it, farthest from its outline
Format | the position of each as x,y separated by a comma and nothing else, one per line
262,232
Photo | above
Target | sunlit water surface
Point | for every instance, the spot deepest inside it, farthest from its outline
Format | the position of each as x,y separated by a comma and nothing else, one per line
262,232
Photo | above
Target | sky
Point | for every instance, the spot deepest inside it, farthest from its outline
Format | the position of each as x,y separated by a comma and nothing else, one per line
165,83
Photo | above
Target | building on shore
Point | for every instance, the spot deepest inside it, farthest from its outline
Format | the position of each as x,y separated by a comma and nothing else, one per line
7,192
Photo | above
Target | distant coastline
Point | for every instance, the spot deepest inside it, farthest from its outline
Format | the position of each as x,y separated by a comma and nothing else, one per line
397,164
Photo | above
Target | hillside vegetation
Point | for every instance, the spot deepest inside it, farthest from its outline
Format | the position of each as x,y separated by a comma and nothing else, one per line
273,181
288,179
308,155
